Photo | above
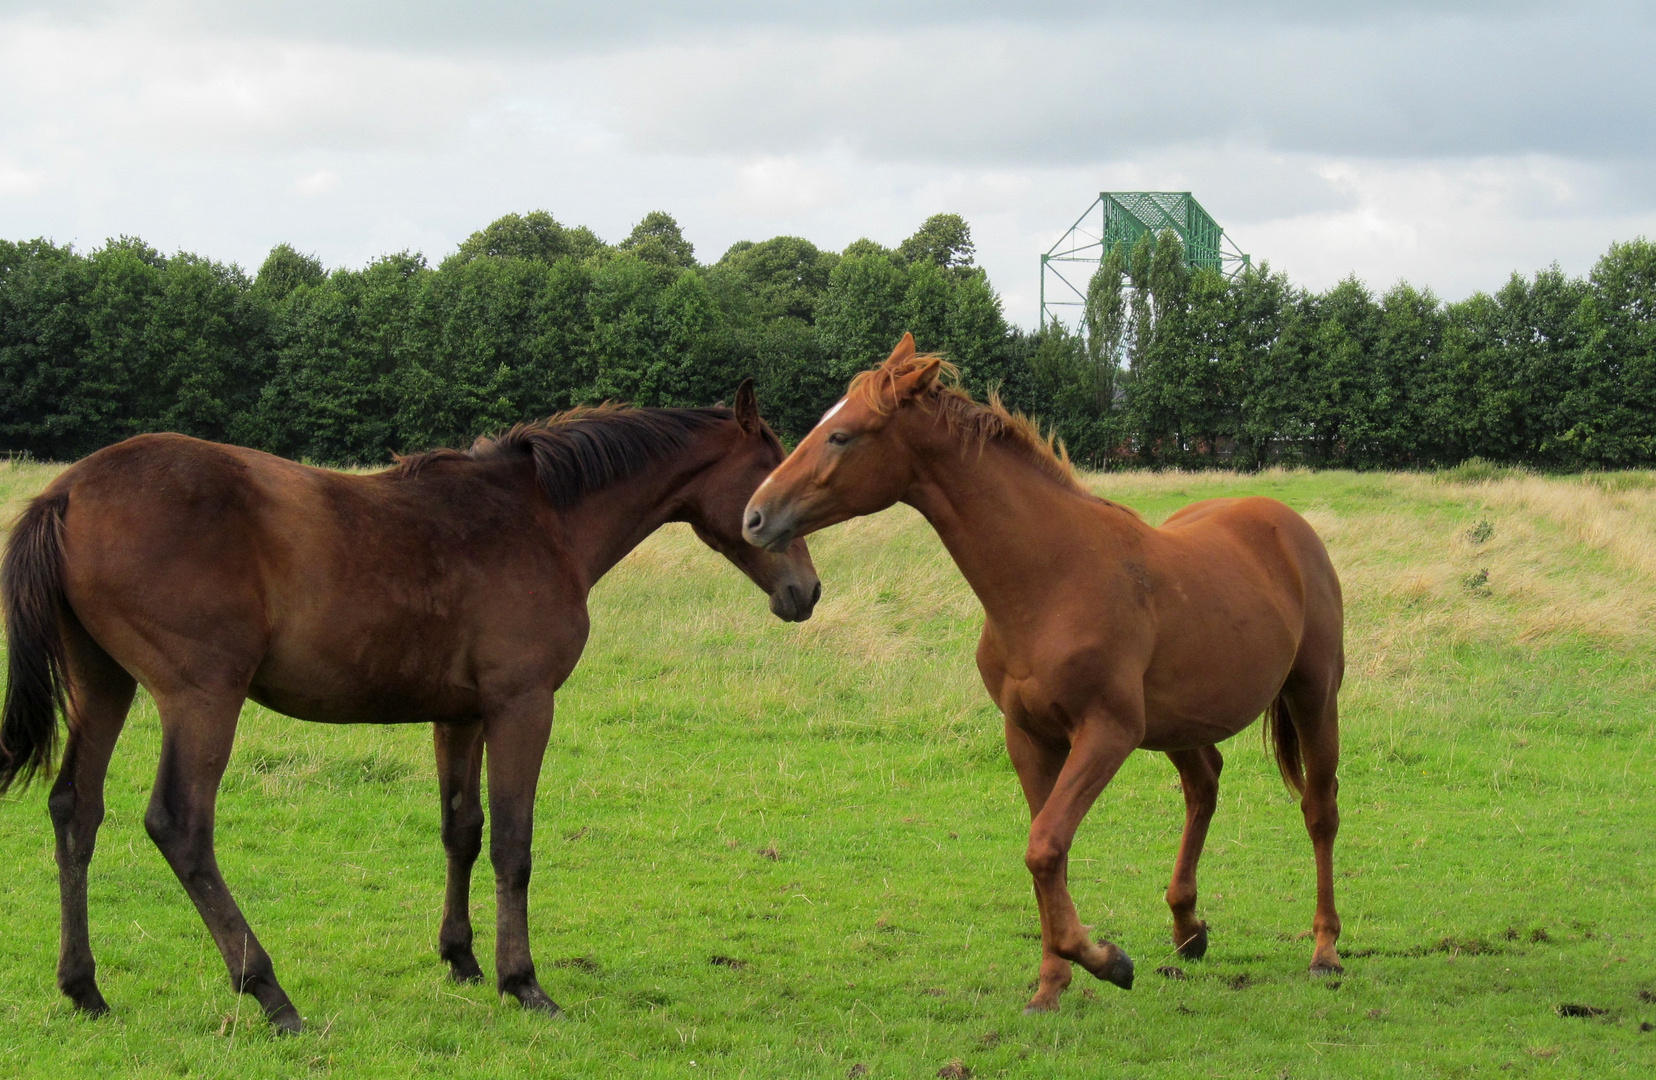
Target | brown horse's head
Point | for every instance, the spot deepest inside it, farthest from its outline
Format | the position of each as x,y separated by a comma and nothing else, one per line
714,504
854,462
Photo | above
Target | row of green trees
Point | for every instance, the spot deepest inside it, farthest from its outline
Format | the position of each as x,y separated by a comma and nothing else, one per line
530,316
1188,369
526,318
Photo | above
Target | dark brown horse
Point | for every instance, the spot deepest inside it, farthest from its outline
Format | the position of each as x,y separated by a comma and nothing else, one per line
1102,634
450,589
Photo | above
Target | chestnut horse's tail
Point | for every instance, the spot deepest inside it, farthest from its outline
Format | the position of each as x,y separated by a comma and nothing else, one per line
1283,738
31,583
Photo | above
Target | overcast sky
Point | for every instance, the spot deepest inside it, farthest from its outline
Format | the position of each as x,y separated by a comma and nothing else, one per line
1447,142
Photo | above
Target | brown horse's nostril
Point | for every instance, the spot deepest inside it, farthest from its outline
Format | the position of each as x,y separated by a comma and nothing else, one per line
816,593
755,519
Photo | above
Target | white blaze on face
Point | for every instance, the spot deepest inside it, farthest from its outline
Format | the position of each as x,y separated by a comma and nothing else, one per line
829,415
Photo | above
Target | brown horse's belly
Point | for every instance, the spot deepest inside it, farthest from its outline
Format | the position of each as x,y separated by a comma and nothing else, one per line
365,704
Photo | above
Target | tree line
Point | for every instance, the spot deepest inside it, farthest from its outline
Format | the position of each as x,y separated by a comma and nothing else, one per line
530,316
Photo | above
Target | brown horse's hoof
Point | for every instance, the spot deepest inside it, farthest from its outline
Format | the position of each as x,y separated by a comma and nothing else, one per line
1039,1008
533,998
464,969
286,1020
90,1002
1327,967
1195,946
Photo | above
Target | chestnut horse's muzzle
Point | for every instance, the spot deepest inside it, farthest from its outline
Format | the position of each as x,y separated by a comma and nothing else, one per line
764,527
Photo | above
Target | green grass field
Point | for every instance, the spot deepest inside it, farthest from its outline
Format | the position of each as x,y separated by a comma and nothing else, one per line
771,850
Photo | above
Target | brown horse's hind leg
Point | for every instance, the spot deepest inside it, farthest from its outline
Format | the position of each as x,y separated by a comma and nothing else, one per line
1314,713
100,695
1199,776
516,738
196,736
1097,750
459,768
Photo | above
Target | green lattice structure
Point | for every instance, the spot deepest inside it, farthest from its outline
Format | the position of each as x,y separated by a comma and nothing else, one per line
1123,217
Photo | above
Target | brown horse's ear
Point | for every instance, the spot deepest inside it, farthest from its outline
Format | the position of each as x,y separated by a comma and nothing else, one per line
903,353
747,407
921,379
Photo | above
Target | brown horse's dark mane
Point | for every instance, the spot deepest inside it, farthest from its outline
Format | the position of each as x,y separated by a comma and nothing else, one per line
976,422
582,450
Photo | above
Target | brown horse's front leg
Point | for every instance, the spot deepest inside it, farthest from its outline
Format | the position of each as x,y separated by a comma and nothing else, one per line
459,768
1199,776
1097,750
516,736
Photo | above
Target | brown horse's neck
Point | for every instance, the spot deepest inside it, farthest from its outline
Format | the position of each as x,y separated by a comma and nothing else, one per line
605,525
1011,527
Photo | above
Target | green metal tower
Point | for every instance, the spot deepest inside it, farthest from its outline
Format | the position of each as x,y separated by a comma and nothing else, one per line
1123,217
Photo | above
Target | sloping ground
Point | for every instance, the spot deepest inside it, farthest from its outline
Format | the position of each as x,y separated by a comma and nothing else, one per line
773,850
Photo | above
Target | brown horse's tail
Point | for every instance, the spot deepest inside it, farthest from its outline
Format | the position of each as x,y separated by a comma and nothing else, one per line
1283,739
31,582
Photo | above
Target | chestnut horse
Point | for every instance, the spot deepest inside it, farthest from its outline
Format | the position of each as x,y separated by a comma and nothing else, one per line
1101,633
450,589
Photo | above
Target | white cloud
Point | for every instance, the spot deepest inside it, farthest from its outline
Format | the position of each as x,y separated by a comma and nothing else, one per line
19,183
781,186
319,182
126,84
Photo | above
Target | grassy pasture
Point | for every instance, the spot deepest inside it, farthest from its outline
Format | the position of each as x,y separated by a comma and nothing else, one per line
768,850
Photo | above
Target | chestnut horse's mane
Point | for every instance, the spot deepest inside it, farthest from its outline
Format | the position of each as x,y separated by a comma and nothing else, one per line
582,450
976,422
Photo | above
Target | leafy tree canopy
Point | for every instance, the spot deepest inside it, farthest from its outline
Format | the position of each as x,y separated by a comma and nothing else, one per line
657,239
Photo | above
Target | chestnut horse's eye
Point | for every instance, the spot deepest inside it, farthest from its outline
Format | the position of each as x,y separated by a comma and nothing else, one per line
838,438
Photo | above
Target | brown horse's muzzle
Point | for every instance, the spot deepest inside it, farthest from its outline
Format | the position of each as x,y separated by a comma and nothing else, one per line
794,601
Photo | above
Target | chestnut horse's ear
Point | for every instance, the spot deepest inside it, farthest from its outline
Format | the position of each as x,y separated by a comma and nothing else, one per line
903,353
918,381
747,407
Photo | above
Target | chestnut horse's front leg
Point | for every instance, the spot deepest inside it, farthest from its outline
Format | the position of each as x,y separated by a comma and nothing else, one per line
1038,764
516,736
459,770
1097,749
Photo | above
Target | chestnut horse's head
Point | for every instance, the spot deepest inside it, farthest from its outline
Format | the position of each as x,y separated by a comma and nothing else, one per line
852,463
714,505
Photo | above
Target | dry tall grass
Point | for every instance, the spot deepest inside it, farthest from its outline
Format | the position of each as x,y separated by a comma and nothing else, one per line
1558,556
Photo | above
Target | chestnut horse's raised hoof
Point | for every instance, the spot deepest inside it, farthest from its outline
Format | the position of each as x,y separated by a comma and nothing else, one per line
1101,634
449,590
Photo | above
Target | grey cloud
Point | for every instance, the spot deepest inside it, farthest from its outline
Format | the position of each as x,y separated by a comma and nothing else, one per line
577,25
1432,87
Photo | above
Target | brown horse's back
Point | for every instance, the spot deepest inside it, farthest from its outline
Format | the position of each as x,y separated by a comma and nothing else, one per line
327,596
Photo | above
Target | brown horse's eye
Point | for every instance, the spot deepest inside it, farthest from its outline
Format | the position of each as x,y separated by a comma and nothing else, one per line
838,438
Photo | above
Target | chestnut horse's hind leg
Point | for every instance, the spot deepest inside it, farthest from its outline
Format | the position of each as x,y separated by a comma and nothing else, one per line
1097,750
100,695
459,768
516,737
1199,776
196,735
1314,713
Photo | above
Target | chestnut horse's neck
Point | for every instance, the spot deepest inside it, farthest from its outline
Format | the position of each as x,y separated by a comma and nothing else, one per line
600,529
1012,528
